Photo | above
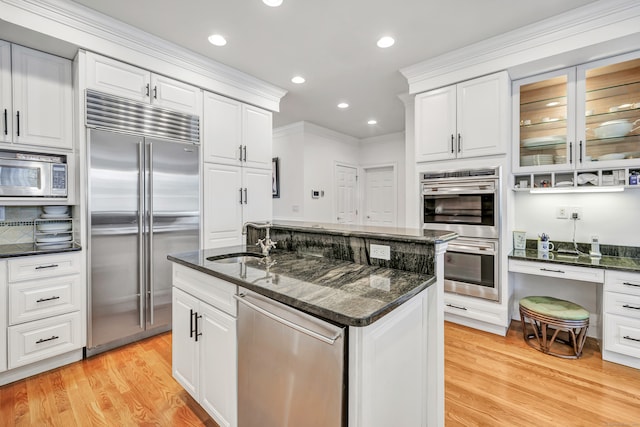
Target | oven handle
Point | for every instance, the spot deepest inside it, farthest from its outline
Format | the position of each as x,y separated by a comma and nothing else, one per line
476,249
457,190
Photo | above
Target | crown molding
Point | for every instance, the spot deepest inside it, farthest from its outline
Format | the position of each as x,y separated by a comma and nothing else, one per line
594,23
296,128
327,133
93,31
381,139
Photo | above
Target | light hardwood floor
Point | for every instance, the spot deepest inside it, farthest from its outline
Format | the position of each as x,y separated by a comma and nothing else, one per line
490,381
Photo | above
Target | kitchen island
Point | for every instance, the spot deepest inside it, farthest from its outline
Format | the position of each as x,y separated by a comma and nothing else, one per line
391,308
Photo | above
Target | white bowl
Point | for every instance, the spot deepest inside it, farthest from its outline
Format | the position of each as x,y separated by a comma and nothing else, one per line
613,129
55,210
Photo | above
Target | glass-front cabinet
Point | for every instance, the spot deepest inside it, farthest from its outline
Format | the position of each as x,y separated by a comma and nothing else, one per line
583,118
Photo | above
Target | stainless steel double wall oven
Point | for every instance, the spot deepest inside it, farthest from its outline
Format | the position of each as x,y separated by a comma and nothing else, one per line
467,202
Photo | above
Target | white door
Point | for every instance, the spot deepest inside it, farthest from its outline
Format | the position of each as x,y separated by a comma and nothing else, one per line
218,371
222,130
184,355
6,110
175,95
117,78
346,194
257,135
379,196
222,205
436,137
42,98
257,195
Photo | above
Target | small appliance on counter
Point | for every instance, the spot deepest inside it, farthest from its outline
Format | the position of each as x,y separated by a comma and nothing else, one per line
595,247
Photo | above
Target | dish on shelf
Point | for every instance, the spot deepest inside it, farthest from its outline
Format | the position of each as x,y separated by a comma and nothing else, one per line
53,239
543,141
55,210
54,245
587,178
559,159
633,155
564,184
612,156
614,128
54,216
536,160
54,226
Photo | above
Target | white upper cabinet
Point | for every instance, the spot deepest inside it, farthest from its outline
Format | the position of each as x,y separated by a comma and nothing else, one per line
236,133
257,136
40,111
120,79
470,119
222,130
5,92
584,117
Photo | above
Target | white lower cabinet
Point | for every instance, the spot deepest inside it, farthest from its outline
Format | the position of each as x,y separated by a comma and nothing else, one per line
44,306
204,353
621,311
3,318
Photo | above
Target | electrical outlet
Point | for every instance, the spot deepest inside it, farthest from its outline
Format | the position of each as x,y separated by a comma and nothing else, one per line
575,212
380,251
561,212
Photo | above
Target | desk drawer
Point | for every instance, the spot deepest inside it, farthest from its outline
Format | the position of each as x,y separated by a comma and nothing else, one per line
562,271
39,299
41,339
622,304
622,281
622,335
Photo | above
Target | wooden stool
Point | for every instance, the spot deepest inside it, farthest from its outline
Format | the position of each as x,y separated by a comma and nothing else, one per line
548,314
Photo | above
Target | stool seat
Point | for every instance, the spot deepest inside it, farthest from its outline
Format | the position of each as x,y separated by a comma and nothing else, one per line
547,317
554,307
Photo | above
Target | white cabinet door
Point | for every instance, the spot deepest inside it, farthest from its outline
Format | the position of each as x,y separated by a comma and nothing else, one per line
3,318
482,116
218,373
117,78
184,353
257,206
257,135
175,95
42,99
6,108
436,137
222,130
222,211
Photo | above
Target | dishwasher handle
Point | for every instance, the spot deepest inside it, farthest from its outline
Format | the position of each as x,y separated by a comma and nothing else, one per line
329,340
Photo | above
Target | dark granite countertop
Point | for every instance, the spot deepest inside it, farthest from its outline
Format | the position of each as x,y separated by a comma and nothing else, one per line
386,233
26,249
340,291
606,262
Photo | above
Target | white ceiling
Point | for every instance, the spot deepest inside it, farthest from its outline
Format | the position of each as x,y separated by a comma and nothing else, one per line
332,43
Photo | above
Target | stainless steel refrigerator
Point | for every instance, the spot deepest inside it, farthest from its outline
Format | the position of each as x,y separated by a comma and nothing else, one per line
143,204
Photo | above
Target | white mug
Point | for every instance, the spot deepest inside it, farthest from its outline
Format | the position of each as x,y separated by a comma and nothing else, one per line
545,246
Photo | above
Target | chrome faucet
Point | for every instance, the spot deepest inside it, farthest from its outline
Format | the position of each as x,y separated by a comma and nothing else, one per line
265,244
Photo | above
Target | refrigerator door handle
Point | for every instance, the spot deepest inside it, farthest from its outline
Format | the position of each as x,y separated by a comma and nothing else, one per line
150,235
141,231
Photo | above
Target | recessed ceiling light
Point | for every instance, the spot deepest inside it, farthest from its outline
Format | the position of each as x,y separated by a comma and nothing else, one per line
298,80
272,3
372,122
217,40
343,105
386,41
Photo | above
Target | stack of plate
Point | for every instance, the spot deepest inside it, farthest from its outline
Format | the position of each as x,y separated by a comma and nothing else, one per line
559,159
536,160
55,212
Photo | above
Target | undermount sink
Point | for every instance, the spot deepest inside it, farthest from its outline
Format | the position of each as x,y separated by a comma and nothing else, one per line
235,258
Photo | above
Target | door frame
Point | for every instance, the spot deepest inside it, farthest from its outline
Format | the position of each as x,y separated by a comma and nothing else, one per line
363,190
334,200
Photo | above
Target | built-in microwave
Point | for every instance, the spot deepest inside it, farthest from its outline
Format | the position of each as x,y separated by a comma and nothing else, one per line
32,174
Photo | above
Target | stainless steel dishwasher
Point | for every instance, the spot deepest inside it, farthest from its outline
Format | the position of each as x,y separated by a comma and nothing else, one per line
290,366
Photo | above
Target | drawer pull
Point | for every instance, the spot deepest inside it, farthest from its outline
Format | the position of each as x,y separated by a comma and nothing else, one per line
630,306
455,306
41,340
631,284
47,299
552,271
40,267
631,339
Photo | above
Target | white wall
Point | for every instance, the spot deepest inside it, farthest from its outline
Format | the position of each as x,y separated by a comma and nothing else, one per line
308,157
614,217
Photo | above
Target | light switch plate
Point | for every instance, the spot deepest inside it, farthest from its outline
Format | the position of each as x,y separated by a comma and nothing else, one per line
380,251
